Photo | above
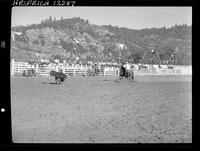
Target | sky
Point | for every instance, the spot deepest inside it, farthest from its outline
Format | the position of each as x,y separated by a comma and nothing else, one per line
130,17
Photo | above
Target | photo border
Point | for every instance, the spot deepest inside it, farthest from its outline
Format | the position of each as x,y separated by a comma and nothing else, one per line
5,134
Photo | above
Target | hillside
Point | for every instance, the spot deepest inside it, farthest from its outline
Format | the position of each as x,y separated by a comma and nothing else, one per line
66,38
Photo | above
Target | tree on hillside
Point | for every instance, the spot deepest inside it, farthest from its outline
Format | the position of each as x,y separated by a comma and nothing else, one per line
137,41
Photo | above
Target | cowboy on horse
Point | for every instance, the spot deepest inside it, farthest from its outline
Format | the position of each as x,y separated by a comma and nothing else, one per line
59,75
126,71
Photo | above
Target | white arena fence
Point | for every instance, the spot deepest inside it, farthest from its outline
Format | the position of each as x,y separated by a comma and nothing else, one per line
75,71
17,68
164,70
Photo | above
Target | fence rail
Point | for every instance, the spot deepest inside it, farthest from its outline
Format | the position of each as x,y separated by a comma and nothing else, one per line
75,71
17,68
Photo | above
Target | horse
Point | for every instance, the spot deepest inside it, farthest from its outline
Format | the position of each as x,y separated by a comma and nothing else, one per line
126,73
129,74
29,73
59,76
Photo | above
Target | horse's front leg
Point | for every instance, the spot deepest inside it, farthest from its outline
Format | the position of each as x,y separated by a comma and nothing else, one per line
126,74
59,80
56,79
133,75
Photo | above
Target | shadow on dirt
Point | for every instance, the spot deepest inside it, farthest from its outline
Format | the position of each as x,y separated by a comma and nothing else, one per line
107,80
123,80
119,80
49,83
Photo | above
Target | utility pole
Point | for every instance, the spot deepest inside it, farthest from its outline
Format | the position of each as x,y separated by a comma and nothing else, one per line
13,33
120,50
75,48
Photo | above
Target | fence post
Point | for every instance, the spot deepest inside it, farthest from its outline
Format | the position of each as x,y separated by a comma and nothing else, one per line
74,71
36,69
150,68
116,72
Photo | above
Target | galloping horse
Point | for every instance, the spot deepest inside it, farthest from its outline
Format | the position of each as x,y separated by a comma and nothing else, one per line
129,74
59,76
126,73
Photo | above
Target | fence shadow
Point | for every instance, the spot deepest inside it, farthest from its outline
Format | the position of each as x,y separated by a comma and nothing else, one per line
49,83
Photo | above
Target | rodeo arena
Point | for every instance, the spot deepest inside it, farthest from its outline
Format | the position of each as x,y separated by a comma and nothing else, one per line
94,69
101,102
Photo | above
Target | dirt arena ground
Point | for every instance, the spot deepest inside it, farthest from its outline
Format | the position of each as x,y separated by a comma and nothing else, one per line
151,109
